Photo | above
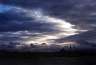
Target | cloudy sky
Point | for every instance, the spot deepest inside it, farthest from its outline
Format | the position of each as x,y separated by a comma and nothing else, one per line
46,21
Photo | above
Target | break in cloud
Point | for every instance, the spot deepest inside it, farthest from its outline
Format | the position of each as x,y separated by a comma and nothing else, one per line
46,21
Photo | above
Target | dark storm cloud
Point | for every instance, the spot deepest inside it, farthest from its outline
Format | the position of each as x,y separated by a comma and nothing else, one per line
18,36
43,26
12,21
82,13
86,38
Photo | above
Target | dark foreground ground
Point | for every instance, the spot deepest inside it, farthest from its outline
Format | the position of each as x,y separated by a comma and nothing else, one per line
60,58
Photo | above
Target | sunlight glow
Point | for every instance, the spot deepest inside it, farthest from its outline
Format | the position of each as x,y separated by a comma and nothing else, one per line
65,28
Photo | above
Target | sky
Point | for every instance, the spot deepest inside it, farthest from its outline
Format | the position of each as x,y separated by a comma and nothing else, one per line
39,21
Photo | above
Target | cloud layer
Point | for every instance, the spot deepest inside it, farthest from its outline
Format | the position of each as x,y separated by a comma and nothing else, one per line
33,21
39,21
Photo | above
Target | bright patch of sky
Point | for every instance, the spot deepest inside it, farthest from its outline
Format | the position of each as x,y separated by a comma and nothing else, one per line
4,8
